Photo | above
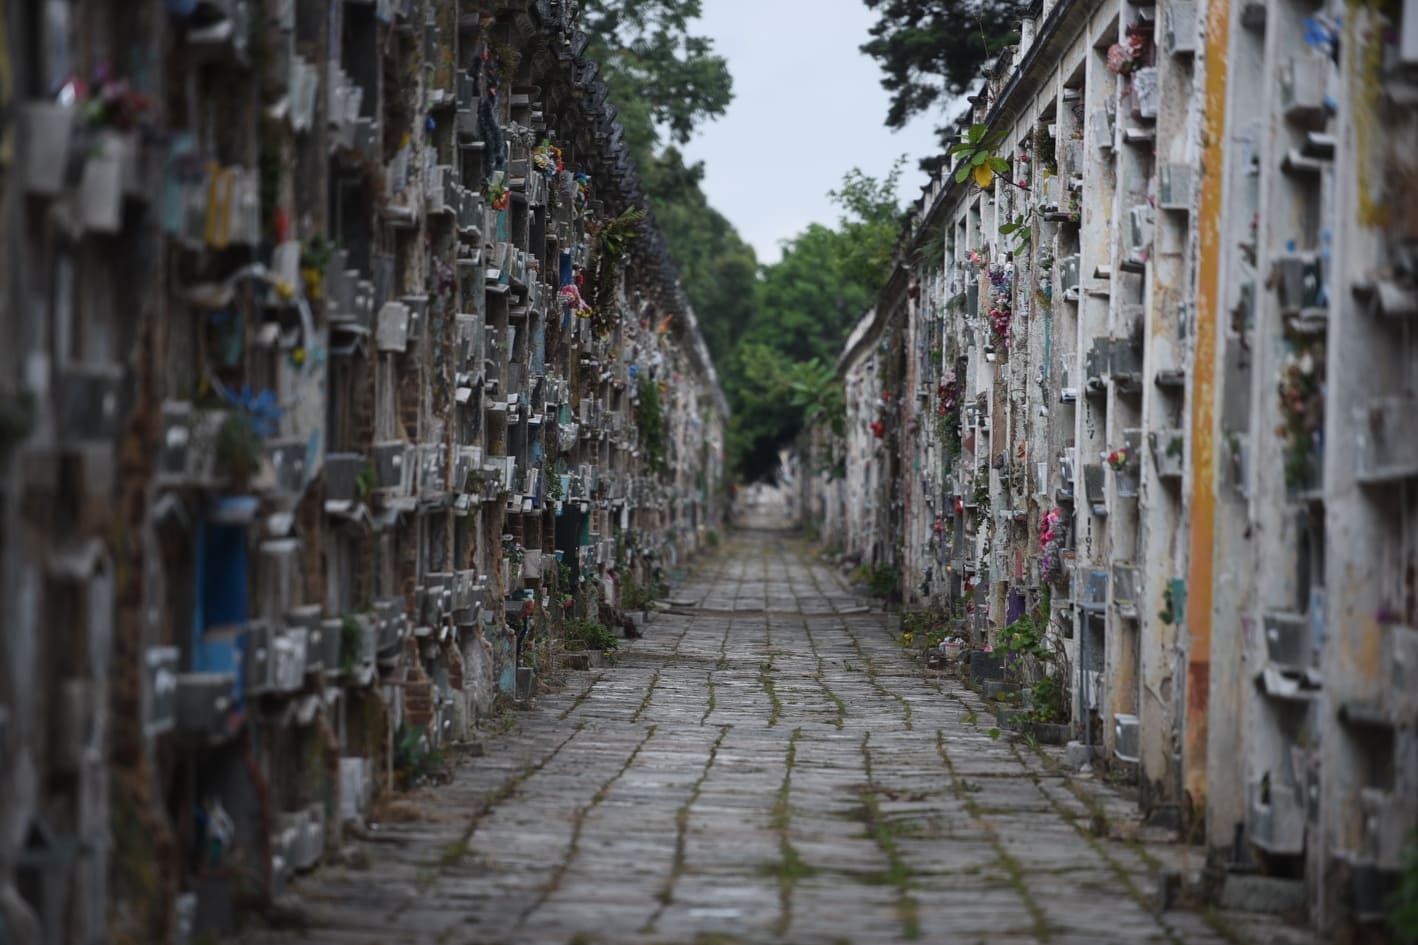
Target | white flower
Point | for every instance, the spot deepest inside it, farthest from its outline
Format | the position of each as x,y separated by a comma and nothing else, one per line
1307,363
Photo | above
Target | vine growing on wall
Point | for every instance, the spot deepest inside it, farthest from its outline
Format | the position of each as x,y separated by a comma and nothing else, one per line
612,238
650,422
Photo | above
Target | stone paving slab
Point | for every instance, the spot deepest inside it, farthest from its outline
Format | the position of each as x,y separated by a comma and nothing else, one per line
765,766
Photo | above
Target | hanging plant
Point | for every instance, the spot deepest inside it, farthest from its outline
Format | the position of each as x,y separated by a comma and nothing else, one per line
612,242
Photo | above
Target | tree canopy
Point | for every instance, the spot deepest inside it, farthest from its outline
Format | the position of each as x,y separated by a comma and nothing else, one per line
774,331
666,83
931,51
807,304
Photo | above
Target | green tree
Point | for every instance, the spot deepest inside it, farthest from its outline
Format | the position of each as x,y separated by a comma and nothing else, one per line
718,268
807,304
666,82
664,79
931,51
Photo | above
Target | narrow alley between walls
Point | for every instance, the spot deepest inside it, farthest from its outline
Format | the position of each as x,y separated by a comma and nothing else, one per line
425,516
767,764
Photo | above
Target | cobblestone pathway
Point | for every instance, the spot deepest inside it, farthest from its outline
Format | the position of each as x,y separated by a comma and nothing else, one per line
766,766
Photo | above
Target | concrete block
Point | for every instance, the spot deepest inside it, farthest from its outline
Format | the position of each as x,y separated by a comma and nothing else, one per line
1268,894
986,665
1076,755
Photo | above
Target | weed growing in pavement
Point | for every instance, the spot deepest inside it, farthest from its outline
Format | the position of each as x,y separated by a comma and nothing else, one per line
963,789
452,854
709,707
882,581
790,867
1090,836
820,677
649,695
578,823
765,679
581,697
884,833
876,683
666,894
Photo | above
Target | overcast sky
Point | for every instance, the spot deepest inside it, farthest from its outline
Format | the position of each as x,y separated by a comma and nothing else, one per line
807,107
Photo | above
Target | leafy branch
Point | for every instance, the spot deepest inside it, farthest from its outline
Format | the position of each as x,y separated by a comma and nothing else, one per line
976,152
1020,229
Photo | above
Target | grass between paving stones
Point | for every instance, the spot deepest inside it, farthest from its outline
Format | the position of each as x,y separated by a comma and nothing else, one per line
875,683
1221,927
1090,836
655,679
765,679
883,833
666,895
649,695
821,677
963,792
581,697
455,850
790,867
723,662
709,706
578,822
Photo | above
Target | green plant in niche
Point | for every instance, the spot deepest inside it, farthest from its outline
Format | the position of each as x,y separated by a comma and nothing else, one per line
650,422
1027,636
16,420
238,447
1301,392
1403,905
612,240
635,596
590,635
883,581
414,760
367,481
1170,605
351,636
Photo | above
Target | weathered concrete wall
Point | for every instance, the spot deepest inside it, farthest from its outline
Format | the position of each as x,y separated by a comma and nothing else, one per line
324,406
1142,422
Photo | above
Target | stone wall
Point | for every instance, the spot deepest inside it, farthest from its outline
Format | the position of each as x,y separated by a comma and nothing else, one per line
1154,373
324,406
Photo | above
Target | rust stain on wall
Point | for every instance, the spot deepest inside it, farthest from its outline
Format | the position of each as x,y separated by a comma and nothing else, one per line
1203,499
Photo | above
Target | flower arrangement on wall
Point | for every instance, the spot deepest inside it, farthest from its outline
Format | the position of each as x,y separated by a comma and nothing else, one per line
546,158
1302,392
1001,313
1118,459
1133,53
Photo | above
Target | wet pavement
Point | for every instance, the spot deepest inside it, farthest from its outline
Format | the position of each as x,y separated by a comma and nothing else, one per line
767,765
